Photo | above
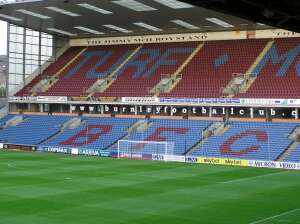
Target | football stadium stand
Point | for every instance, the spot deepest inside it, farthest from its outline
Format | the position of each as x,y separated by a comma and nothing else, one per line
295,155
215,64
280,66
239,140
239,68
54,70
30,130
207,69
149,111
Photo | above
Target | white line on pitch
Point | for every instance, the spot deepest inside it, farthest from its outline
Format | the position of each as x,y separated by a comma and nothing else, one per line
10,165
249,178
274,216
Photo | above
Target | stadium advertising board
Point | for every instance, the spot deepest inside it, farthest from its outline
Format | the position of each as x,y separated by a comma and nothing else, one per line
128,155
201,100
146,156
158,157
191,159
22,98
232,101
274,164
140,99
8,146
250,163
51,98
55,149
223,161
75,151
93,152
206,111
175,158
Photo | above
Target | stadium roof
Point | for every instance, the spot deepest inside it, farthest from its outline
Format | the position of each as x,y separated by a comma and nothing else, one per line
91,18
276,13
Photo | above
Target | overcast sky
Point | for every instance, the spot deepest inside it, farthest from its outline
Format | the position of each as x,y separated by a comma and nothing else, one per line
3,37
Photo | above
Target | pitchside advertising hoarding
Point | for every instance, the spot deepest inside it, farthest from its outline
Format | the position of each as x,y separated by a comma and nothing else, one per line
223,161
169,158
274,164
75,151
249,163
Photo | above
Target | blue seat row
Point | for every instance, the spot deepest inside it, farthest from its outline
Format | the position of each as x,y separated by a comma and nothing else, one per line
242,140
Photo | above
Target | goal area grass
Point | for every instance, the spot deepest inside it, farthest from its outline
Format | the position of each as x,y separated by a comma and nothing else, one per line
44,188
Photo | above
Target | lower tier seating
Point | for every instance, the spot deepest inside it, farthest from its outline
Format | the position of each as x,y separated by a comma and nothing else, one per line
32,130
241,140
245,140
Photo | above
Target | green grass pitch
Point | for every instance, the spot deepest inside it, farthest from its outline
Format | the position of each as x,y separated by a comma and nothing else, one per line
41,188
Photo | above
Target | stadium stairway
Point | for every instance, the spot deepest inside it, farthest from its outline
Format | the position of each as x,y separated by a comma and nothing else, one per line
55,78
213,129
111,78
288,151
279,66
294,136
249,76
32,130
175,76
184,134
212,68
270,139
143,71
72,123
294,156
94,133
51,70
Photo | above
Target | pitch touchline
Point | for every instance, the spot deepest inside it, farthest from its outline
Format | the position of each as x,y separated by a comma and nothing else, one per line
247,178
275,216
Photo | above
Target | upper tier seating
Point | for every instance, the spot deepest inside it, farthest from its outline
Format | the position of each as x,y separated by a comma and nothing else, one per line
93,63
51,70
212,68
136,69
243,140
144,70
278,73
